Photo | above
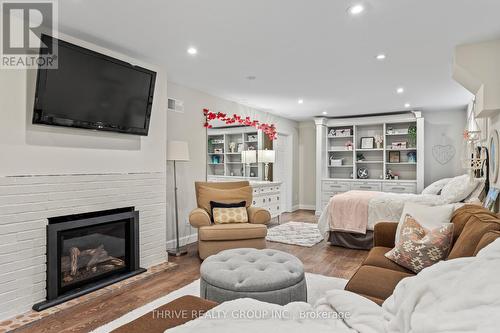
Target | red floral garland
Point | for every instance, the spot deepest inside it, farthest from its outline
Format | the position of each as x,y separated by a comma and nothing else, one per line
267,129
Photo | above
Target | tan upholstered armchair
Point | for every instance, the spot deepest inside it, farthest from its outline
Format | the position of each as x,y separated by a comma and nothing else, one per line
213,238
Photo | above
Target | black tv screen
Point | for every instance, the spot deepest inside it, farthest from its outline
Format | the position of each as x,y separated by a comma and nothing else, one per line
94,91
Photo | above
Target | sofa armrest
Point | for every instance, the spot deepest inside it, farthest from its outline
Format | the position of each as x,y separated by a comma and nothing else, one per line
258,215
384,234
199,218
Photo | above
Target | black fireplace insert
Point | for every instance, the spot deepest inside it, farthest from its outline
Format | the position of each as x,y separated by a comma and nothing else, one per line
89,251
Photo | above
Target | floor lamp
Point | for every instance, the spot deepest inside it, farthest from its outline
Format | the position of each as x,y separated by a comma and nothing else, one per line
177,151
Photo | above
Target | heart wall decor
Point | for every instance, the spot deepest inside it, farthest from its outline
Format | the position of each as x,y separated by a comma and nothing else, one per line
443,153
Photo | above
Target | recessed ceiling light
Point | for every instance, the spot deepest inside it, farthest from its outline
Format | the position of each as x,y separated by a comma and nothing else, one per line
400,90
407,105
356,9
251,77
192,51
325,113
300,101
381,56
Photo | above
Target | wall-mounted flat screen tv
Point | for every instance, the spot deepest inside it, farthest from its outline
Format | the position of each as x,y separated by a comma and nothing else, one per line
94,91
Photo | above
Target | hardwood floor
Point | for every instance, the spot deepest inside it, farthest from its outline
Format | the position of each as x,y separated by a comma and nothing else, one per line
320,259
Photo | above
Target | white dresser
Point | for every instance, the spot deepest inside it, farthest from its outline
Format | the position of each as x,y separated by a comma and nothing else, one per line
268,195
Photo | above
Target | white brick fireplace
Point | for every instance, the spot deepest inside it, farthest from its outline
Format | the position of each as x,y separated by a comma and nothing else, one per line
27,201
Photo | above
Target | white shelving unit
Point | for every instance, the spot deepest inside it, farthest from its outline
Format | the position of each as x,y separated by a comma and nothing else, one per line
226,164
392,128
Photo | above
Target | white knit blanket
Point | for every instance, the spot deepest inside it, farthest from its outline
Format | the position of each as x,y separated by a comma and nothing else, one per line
460,295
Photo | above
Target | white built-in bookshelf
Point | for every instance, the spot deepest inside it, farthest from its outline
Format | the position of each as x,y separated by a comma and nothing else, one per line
396,164
224,147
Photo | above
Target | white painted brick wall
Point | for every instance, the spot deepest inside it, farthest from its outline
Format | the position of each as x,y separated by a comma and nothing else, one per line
26,203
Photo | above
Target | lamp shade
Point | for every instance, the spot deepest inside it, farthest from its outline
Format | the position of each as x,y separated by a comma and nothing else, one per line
248,156
267,156
177,151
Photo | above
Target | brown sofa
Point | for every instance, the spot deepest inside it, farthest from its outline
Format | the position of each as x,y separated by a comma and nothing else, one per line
474,228
213,238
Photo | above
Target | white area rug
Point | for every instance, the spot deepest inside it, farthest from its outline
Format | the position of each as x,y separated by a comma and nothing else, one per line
295,233
317,285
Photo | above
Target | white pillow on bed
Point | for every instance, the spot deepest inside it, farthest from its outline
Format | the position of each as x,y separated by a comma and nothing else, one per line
437,186
459,188
429,217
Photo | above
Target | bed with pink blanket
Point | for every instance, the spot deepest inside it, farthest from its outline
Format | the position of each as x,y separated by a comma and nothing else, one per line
349,218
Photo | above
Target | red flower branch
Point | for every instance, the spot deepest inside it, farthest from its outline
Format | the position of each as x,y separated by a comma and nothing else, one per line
267,129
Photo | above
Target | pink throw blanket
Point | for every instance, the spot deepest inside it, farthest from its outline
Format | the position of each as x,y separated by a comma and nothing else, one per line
349,211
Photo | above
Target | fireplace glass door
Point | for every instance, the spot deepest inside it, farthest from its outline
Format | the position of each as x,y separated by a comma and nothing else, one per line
90,253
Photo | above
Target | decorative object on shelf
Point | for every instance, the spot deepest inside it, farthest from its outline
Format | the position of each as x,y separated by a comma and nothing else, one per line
399,145
252,138
400,131
389,174
367,142
360,157
340,132
494,156
177,151
348,145
240,147
218,151
390,130
232,147
412,136
216,159
217,141
336,161
379,140
363,173
267,129
231,173
412,156
394,157
266,156
252,174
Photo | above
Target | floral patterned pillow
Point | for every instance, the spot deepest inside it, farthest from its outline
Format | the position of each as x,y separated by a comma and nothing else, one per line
419,247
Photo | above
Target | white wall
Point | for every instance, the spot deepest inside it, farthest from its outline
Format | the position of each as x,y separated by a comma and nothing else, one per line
307,165
443,128
188,126
36,149
52,171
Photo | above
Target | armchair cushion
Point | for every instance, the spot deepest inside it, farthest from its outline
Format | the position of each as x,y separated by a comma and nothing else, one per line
258,215
230,195
199,217
232,231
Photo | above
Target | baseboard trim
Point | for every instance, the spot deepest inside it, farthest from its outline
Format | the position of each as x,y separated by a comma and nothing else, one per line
185,240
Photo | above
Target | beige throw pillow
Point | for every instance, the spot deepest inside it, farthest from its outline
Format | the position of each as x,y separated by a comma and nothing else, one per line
418,247
230,215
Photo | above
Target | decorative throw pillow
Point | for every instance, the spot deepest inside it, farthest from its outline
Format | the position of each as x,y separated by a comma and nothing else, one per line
459,188
430,217
436,187
419,247
229,213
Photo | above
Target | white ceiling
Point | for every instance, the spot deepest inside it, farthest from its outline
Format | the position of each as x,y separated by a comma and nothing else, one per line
308,49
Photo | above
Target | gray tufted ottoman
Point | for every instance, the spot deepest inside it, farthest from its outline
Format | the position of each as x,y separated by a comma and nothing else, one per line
266,275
